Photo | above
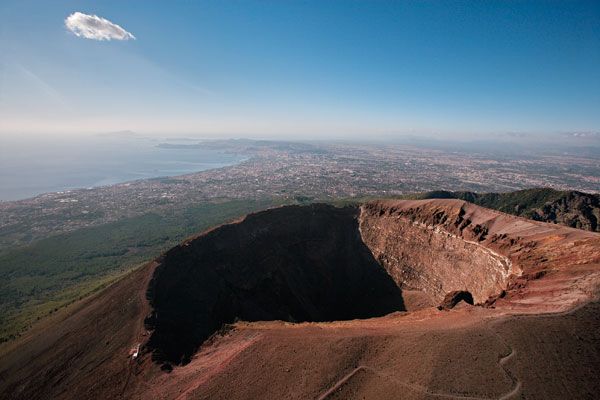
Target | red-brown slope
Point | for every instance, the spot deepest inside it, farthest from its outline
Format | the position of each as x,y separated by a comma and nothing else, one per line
468,352
465,353
84,351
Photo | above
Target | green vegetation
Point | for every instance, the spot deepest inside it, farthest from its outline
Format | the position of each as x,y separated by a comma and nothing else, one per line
18,320
37,279
569,208
521,202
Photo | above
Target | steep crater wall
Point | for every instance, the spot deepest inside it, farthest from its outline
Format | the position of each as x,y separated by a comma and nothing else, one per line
435,251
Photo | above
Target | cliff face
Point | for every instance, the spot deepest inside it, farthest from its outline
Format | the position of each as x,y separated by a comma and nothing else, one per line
435,250
439,246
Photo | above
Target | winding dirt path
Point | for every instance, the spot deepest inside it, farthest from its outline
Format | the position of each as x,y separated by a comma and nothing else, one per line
502,360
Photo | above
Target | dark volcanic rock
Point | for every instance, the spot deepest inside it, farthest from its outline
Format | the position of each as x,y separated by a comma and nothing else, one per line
453,298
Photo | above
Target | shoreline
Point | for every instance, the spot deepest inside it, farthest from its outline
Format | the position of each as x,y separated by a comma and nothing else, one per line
215,166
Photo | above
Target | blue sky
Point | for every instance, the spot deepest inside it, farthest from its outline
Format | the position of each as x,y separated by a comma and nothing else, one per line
303,69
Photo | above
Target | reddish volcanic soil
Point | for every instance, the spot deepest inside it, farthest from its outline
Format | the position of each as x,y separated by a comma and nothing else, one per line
534,331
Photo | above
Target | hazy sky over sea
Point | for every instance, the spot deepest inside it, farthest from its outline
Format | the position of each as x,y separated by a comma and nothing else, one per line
32,167
299,69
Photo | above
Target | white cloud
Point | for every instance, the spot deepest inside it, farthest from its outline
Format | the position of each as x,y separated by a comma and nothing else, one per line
95,27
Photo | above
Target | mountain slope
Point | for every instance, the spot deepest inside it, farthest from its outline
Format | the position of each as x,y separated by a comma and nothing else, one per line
570,208
543,322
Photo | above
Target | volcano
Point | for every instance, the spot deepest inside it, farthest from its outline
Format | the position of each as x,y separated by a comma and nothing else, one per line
389,299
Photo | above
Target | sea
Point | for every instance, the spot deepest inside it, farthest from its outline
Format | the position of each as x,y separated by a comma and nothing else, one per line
31,166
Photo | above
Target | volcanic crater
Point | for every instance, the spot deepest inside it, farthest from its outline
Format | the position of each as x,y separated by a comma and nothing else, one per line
321,263
361,285
293,263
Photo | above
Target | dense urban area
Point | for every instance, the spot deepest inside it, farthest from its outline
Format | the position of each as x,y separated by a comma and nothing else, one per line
298,171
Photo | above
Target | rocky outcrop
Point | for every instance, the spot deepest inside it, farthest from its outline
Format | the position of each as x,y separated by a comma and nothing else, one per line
453,298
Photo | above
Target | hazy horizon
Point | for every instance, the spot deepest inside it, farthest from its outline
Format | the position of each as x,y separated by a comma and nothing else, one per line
29,168
300,70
